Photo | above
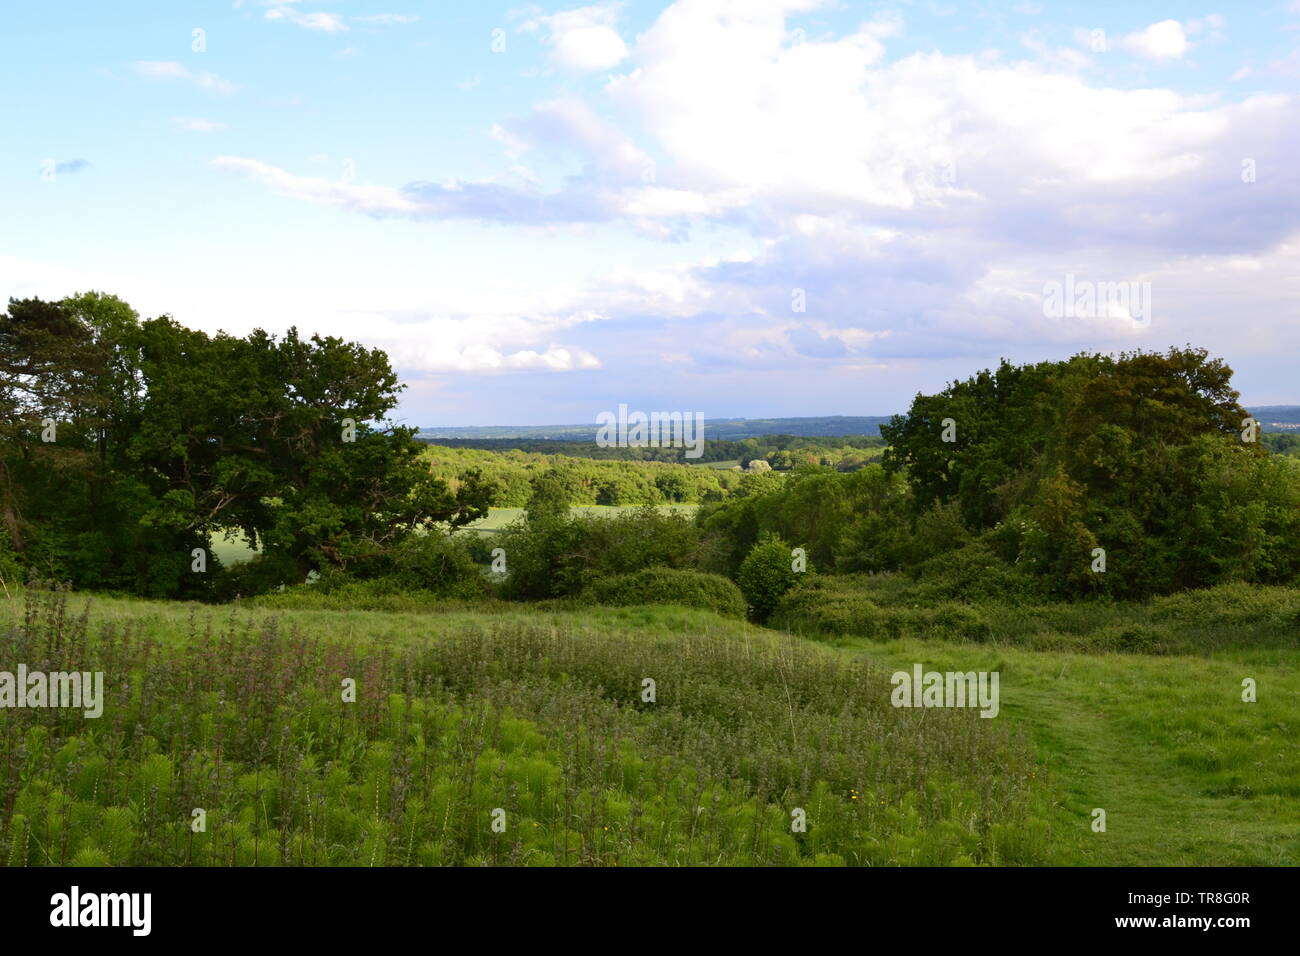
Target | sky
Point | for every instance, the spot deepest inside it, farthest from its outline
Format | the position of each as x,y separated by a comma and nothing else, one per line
745,208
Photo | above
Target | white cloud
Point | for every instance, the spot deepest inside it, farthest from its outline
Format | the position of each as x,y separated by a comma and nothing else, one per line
921,202
324,22
1165,40
387,19
373,200
585,39
746,127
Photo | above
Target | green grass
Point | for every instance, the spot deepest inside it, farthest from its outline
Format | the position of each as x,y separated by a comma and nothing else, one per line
231,549
537,710
539,714
1188,774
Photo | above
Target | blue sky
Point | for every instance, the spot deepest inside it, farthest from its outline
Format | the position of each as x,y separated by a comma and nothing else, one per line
740,208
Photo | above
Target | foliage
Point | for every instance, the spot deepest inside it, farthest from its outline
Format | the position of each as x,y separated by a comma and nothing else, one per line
556,554
766,573
165,436
544,722
670,586
1139,456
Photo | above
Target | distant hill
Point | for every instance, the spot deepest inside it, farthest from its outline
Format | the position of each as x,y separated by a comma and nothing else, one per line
1277,418
728,429
1274,418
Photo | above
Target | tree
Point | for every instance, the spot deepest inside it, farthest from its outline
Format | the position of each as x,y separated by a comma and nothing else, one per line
167,435
1129,454
674,486
766,574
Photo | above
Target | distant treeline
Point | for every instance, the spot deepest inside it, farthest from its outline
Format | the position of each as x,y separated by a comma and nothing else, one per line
621,477
584,481
1282,443
1115,477
835,449
727,429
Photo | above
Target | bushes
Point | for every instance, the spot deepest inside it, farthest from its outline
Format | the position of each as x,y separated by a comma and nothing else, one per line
766,574
421,570
560,555
671,586
439,563
974,573
844,606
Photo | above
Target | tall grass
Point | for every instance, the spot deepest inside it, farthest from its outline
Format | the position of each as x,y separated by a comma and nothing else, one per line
243,717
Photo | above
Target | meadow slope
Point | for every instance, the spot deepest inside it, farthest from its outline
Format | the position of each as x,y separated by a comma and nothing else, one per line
541,714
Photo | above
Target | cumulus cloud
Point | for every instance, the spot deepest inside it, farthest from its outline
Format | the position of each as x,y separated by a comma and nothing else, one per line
324,22
584,39
739,124
1165,40
920,203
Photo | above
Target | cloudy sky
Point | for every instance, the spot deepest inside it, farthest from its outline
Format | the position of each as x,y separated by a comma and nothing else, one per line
740,207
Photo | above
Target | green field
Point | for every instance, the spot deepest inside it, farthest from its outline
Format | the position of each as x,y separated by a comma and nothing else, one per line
539,713
1188,774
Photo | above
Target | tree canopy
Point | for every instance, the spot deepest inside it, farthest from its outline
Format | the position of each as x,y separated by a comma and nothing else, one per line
127,444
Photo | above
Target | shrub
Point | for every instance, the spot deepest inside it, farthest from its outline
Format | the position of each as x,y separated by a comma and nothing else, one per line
440,563
975,573
853,605
259,575
712,592
765,575
553,555
1129,638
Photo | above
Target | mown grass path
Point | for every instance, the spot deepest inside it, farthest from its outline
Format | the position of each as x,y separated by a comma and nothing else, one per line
1187,773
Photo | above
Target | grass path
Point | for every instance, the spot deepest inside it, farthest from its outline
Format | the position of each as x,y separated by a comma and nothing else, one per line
1187,773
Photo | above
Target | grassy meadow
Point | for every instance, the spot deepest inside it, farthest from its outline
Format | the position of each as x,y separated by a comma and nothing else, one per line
464,713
